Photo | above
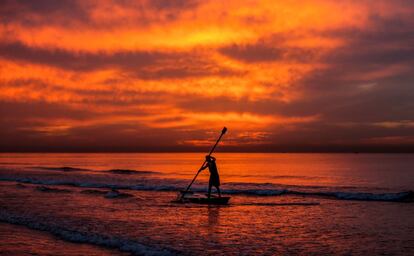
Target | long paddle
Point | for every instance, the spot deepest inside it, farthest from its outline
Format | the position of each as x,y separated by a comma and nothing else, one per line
199,170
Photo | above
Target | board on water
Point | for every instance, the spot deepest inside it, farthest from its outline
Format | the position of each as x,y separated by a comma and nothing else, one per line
205,200
200,199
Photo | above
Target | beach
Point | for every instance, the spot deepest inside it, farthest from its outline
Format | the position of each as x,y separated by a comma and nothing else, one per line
291,204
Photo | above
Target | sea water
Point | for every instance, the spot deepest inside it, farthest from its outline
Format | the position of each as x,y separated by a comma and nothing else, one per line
295,204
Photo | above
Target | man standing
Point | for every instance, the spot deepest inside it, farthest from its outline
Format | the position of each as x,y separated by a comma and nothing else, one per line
214,176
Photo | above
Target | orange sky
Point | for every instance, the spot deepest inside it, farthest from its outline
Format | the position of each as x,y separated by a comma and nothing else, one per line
168,75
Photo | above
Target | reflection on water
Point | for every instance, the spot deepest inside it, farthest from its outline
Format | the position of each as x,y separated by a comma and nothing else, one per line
213,216
213,227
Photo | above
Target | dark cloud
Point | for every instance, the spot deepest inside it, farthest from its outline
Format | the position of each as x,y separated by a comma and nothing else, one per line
191,70
174,5
33,110
253,53
32,13
24,127
385,41
143,64
265,52
75,13
231,104
126,137
79,61
150,12
360,85
39,7
111,96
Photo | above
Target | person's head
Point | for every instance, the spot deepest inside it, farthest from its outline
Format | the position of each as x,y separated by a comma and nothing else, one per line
208,158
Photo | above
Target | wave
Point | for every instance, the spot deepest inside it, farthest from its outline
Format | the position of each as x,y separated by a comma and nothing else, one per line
122,244
76,169
129,172
111,194
247,189
53,190
278,176
94,192
116,194
19,185
63,168
281,204
93,185
406,196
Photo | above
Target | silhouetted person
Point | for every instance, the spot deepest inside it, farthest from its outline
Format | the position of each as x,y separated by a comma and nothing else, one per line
214,176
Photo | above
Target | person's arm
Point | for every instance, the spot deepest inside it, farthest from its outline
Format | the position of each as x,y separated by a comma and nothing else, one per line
204,167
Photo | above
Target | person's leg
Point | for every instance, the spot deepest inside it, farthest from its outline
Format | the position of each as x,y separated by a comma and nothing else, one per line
209,190
218,191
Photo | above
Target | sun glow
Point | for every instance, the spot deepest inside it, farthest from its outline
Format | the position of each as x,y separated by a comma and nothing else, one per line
254,65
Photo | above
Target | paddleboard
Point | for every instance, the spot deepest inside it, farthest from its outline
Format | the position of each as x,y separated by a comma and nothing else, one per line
205,200
199,199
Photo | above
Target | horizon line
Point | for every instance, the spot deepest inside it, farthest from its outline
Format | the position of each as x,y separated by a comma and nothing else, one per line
225,152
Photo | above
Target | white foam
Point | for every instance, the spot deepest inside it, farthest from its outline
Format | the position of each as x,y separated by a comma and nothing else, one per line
121,244
249,189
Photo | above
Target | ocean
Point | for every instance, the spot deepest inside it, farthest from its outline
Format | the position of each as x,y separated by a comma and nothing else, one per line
281,204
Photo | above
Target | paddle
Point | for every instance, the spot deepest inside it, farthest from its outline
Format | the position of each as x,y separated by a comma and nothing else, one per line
199,170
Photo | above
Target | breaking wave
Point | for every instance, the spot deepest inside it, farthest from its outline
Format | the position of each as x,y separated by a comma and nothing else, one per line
235,189
62,169
53,190
122,244
406,196
75,169
129,172
281,204
116,194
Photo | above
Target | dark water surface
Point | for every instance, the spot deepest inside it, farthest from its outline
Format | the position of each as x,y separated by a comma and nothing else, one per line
297,204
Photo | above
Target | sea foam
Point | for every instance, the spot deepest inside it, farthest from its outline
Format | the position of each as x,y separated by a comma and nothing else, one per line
404,196
122,244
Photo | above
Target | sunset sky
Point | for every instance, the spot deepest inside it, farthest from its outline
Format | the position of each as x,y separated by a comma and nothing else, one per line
162,75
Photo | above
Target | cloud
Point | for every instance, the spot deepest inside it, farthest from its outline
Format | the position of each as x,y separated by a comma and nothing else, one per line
32,110
29,13
90,12
81,61
262,52
144,75
174,5
142,64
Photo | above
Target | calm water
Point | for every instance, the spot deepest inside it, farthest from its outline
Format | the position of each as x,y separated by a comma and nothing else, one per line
297,204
